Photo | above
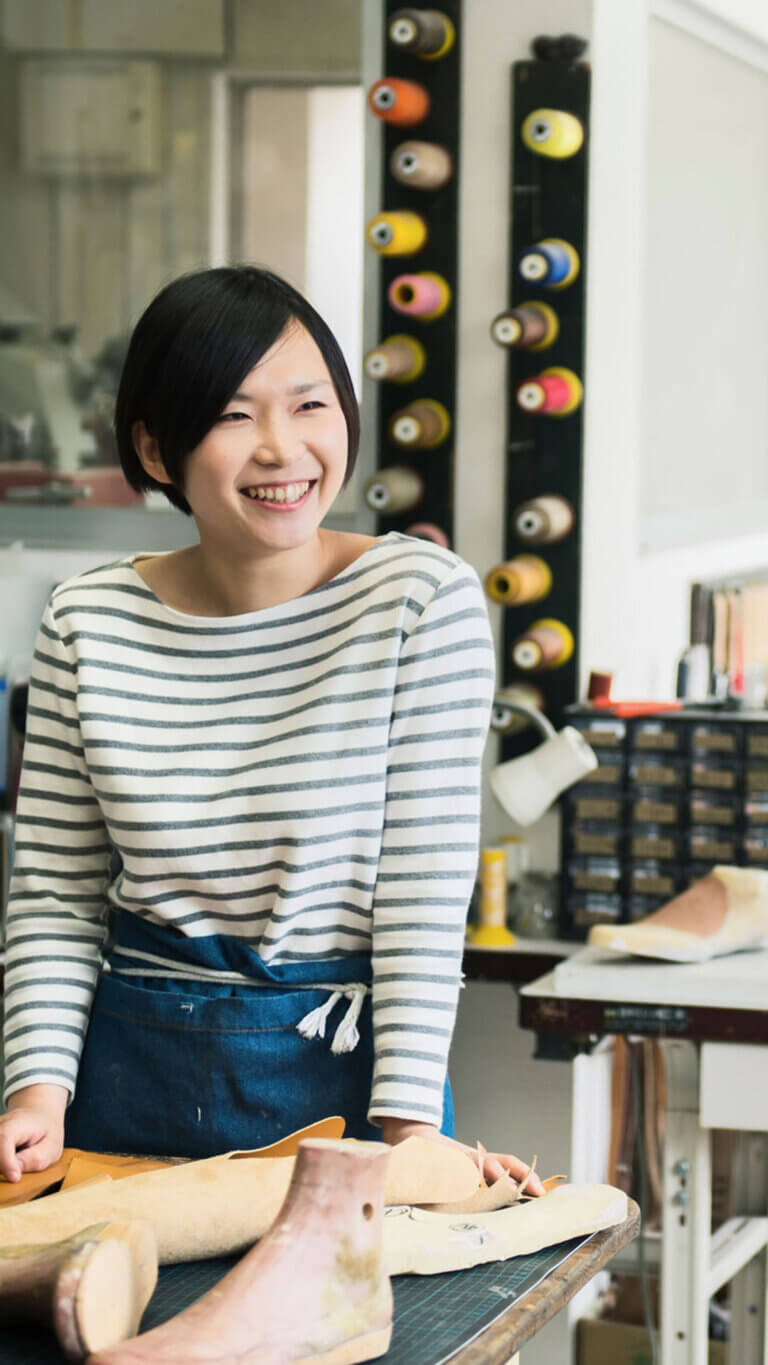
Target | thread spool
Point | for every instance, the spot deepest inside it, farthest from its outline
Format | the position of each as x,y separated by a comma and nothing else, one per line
552,263
555,392
546,644
423,425
529,327
424,33
491,929
402,103
599,685
543,520
553,133
421,165
424,295
426,530
401,233
398,358
505,721
526,578
394,490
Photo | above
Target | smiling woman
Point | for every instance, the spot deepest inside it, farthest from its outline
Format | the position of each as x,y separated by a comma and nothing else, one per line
273,746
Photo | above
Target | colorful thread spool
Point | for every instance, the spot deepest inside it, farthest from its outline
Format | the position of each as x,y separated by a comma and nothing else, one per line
423,425
529,327
526,578
425,295
491,929
397,234
555,392
551,262
424,33
553,133
546,644
426,530
421,165
505,721
400,359
403,103
599,685
393,490
543,520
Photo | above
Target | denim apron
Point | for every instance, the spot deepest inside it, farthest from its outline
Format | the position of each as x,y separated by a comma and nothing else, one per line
194,1047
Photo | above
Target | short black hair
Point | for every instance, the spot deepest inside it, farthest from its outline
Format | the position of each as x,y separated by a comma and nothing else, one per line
191,349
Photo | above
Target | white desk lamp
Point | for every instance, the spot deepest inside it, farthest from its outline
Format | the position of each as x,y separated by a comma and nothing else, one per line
526,787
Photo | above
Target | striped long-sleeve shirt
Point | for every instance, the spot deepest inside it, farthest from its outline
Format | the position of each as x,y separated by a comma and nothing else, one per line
305,776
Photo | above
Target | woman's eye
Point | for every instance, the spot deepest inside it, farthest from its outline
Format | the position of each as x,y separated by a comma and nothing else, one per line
311,403
233,416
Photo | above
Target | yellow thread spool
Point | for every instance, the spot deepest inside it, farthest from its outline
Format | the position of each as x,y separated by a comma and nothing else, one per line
526,578
397,358
400,233
553,133
491,930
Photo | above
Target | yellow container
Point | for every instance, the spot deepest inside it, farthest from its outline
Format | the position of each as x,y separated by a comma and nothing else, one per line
491,930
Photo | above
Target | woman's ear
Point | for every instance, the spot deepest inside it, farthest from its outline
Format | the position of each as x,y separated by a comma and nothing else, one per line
148,451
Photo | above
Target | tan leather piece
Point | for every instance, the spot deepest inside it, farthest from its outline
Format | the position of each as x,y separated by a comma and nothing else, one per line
217,1207
88,1167
76,1167
34,1183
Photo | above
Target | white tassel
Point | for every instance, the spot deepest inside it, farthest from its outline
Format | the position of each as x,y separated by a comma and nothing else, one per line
313,1024
347,1034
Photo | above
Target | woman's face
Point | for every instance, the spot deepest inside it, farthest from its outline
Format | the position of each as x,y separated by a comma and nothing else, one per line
283,430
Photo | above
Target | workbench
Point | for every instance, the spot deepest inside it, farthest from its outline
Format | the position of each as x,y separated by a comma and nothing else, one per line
480,1316
711,1020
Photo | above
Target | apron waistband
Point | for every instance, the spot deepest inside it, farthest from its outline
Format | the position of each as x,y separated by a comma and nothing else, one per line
312,1025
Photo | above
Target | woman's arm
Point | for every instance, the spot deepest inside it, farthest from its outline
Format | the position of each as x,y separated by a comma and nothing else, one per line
428,863
57,900
495,1164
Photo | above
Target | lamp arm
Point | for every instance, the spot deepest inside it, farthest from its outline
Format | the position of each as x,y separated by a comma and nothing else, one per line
532,713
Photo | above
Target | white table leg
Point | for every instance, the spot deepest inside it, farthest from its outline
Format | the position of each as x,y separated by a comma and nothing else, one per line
684,1326
749,1289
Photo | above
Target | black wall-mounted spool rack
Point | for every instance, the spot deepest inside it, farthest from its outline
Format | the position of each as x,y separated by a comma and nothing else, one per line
439,208
544,454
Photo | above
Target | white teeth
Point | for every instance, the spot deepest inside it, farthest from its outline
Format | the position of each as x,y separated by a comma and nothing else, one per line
291,493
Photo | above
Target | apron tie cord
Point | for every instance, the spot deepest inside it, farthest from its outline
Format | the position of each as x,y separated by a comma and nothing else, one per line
347,1034
313,1024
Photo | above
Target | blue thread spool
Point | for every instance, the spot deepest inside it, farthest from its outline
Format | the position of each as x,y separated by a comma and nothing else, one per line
551,262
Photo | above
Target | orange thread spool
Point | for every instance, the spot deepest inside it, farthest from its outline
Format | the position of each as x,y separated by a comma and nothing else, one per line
403,103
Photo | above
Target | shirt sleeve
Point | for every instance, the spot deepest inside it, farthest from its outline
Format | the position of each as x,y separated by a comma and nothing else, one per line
428,865
56,923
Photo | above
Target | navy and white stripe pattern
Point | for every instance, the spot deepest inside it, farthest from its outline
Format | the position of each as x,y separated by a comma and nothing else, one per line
306,777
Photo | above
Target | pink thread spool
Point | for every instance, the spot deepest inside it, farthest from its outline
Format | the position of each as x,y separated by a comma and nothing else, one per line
547,393
422,295
426,530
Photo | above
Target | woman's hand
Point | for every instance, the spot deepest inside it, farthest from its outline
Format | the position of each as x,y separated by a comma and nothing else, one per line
494,1164
32,1132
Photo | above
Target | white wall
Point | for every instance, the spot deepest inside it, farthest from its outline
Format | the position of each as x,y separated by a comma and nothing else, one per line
635,598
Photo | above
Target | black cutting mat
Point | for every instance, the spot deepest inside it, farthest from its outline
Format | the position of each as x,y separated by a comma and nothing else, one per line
435,1315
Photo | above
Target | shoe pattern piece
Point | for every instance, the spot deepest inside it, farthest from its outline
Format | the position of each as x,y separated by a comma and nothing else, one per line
726,912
